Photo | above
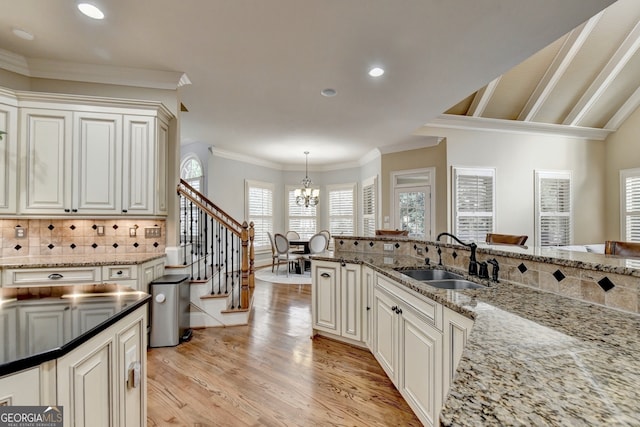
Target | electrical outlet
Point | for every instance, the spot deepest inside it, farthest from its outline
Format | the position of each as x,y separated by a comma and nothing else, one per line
100,230
419,251
152,232
388,247
21,232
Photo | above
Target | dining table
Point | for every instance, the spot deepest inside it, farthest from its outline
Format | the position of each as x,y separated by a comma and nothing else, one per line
304,243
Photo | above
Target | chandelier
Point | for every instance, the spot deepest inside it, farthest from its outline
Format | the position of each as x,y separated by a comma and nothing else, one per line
307,196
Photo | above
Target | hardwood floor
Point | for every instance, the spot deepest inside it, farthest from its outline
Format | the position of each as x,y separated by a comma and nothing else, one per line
271,373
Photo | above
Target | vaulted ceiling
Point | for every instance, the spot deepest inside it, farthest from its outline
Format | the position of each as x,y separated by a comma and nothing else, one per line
588,78
257,68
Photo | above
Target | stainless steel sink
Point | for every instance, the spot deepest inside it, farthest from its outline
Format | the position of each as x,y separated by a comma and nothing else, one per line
440,279
424,274
453,284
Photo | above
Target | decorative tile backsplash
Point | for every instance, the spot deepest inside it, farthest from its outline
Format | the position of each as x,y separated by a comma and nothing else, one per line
78,236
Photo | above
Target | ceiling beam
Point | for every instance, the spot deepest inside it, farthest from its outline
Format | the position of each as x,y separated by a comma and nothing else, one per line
624,111
608,74
482,97
557,68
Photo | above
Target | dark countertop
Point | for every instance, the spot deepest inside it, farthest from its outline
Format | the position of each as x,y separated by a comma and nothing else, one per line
533,357
78,313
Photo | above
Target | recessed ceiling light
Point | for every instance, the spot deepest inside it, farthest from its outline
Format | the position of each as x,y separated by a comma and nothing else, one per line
23,34
376,72
90,10
328,92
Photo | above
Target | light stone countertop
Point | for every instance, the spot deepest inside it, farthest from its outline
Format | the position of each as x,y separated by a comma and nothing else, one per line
533,358
61,261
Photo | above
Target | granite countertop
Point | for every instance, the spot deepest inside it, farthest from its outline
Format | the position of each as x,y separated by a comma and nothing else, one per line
77,260
532,357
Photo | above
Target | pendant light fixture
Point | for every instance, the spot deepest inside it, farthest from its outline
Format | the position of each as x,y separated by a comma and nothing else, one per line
306,196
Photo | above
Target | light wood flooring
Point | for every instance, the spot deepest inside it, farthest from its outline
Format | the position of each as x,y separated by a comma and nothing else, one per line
271,373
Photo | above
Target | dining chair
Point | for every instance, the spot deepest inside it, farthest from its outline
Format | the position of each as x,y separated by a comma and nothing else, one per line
623,249
282,250
274,255
317,244
292,235
327,234
506,239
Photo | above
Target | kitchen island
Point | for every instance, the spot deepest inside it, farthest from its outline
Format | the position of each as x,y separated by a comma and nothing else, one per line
532,357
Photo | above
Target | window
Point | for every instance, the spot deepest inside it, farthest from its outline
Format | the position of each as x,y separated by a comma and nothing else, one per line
259,209
301,219
630,205
190,171
554,221
342,199
369,191
474,203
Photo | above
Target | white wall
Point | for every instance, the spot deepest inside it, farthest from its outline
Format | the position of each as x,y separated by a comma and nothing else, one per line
515,157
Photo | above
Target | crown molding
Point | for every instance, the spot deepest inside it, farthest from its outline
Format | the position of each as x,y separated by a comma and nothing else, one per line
91,73
243,158
451,121
424,142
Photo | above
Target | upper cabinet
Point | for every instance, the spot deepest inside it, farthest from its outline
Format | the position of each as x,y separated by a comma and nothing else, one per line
92,158
8,154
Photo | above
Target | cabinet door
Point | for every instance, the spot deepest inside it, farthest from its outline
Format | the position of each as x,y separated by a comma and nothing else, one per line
46,145
8,159
385,339
85,386
21,389
351,301
88,315
8,331
420,371
139,160
131,392
325,297
456,331
367,306
43,327
97,163
162,166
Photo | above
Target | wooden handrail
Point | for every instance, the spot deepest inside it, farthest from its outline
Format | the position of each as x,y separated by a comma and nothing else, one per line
208,206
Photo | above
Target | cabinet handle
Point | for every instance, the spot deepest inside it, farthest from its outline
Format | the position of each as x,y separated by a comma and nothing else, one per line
325,275
394,308
119,273
124,211
399,311
67,210
55,276
74,210
368,308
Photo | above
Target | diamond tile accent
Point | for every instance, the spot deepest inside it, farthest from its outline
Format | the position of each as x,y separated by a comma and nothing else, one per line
371,244
50,227
95,245
51,246
115,226
355,243
341,242
17,247
115,245
606,284
426,249
454,255
73,246
397,245
523,268
73,227
95,227
415,247
135,245
558,275
156,244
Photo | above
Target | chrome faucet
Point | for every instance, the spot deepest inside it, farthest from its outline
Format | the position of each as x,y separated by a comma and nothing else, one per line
473,264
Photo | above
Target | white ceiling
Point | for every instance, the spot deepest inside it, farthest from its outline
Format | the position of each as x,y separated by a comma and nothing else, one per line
257,67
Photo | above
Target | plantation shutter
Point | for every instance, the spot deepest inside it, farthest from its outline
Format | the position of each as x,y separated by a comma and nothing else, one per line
631,198
474,200
342,210
301,219
260,211
554,208
369,207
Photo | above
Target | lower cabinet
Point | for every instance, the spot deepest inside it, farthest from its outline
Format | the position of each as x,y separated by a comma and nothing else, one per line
336,299
102,382
368,277
21,389
408,346
456,331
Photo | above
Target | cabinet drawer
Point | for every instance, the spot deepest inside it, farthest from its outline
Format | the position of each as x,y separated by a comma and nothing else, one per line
427,308
51,276
119,272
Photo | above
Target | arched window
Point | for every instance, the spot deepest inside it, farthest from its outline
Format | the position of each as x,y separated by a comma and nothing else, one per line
191,171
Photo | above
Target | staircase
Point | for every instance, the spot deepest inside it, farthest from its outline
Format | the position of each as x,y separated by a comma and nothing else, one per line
218,255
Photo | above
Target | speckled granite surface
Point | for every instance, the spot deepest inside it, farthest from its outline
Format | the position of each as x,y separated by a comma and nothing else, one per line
534,358
51,261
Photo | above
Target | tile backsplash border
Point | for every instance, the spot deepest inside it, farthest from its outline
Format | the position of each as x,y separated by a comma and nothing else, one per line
59,237
569,280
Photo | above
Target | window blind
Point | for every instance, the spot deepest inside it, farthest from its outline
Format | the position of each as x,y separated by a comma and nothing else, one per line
369,207
260,211
341,210
554,217
631,199
301,219
474,203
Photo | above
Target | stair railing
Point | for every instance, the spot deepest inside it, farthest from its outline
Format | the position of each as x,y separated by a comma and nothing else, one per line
220,242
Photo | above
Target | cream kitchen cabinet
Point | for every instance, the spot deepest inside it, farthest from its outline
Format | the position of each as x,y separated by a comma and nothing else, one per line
408,345
8,154
368,282
8,331
21,389
336,300
43,326
92,156
456,330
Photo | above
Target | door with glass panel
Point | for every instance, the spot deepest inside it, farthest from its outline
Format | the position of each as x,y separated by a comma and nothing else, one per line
412,210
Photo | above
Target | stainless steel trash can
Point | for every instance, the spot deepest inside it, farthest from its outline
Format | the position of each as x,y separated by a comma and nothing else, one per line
169,310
